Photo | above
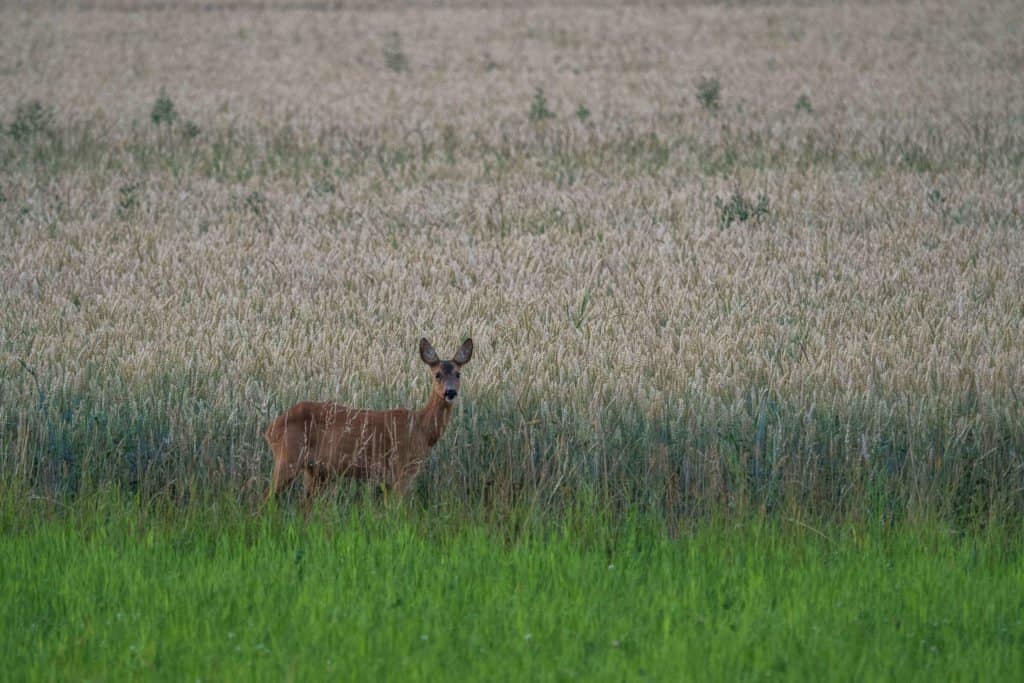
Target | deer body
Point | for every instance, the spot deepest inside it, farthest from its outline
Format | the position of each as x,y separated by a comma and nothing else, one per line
323,441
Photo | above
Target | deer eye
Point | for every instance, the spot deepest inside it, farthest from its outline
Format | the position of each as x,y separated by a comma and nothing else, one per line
458,374
438,375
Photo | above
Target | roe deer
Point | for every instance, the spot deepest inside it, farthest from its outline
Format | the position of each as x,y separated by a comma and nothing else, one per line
326,440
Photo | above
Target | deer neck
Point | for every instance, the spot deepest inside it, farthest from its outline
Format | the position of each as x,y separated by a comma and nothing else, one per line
433,418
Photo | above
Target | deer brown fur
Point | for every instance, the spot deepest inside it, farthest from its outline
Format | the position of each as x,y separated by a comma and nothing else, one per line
323,441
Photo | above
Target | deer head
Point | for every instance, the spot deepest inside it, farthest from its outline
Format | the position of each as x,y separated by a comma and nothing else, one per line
446,372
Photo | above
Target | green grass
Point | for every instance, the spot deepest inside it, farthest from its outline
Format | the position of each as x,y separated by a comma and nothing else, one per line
110,589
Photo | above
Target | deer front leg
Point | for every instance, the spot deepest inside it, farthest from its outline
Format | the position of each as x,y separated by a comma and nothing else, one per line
405,478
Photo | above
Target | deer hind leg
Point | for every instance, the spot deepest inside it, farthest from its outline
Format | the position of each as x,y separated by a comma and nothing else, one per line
280,478
284,474
285,470
313,483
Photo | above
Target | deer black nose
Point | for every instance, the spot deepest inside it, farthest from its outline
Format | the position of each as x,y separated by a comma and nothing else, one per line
450,394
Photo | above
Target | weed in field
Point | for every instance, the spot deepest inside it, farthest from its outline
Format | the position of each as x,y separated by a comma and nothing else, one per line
709,93
936,199
539,109
163,112
256,203
128,200
31,119
582,113
803,104
738,208
394,56
449,142
914,156
325,187
190,130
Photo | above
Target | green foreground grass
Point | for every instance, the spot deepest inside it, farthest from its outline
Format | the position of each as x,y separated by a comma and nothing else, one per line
115,590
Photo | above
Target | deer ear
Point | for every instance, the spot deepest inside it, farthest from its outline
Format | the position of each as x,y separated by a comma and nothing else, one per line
427,352
464,353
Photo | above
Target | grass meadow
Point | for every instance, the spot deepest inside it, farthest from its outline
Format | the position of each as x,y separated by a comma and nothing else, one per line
115,592
746,282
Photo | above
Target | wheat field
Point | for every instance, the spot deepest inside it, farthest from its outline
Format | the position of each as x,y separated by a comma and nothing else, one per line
717,259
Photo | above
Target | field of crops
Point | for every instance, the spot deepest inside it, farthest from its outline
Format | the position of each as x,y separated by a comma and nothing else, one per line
745,271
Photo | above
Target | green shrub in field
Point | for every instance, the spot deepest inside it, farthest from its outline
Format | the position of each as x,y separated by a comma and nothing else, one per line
738,208
190,130
914,156
803,104
539,110
449,142
128,199
31,119
394,56
163,112
709,93
256,203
